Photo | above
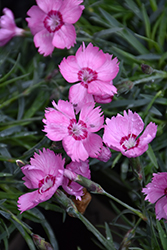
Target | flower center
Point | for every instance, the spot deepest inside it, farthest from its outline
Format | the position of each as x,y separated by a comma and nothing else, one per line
86,75
77,130
129,142
53,21
46,183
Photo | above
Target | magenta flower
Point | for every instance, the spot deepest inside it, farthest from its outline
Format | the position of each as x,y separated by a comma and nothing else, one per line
44,173
157,192
8,28
121,134
71,187
51,23
104,155
94,70
78,138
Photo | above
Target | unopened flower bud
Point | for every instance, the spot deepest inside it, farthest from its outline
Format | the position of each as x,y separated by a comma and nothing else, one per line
104,155
124,86
147,69
20,163
41,243
92,186
66,203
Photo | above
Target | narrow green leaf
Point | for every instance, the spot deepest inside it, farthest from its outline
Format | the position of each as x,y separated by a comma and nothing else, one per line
38,102
5,240
116,160
162,101
162,59
19,227
162,29
126,33
145,113
51,207
152,156
28,240
98,235
134,248
14,79
99,21
162,235
112,21
146,21
109,235
134,8
2,201
107,32
22,122
153,236
4,234
120,215
128,103
5,214
153,5
155,27
149,56
21,107
150,41
5,175
11,71
125,56
11,196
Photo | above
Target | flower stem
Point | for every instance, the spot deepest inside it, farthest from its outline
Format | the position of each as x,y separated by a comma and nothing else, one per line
136,211
95,188
137,169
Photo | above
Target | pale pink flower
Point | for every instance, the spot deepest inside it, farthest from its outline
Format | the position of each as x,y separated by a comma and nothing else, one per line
78,137
121,134
94,70
8,28
105,154
44,173
71,187
51,23
156,192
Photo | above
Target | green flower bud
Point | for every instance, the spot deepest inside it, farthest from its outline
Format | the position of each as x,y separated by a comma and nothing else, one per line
124,87
40,243
147,69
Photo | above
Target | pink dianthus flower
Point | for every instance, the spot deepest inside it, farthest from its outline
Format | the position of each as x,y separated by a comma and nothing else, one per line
78,137
51,23
94,72
71,187
156,192
121,134
44,173
8,28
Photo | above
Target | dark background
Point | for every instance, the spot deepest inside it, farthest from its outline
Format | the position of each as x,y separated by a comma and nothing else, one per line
18,7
